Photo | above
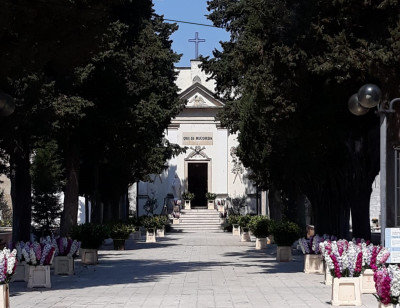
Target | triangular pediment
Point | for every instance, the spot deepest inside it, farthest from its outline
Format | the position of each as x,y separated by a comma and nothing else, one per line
198,96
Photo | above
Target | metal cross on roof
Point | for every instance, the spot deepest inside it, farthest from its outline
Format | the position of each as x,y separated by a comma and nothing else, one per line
196,41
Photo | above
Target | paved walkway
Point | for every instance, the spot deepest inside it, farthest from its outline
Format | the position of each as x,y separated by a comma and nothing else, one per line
184,270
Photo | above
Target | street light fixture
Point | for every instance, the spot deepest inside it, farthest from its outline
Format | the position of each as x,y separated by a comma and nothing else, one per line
367,97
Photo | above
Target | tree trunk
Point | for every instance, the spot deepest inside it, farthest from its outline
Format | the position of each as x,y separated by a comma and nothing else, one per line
71,195
21,192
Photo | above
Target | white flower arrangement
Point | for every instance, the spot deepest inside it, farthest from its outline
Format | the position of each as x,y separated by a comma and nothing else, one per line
8,262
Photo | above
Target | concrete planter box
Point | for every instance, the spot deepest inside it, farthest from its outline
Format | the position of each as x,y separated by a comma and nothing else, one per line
21,272
211,204
261,243
5,296
283,253
245,237
150,236
89,256
388,306
236,230
328,279
188,204
39,276
175,221
313,264
119,244
367,282
64,265
160,232
346,291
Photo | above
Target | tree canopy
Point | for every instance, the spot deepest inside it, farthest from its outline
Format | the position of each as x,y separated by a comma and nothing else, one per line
97,76
286,75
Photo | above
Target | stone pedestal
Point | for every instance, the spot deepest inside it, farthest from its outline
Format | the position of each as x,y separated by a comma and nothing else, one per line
89,256
235,230
313,264
188,204
261,243
346,291
150,236
367,282
64,265
5,296
175,221
284,253
211,204
39,276
245,236
21,272
328,277
160,232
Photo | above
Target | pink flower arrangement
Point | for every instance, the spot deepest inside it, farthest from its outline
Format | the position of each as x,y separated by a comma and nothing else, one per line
343,258
36,253
387,284
374,256
8,263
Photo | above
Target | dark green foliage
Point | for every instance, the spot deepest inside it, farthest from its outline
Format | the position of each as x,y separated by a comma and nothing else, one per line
291,67
47,180
259,226
90,235
233,219
285,232
120,230
244,221
6,212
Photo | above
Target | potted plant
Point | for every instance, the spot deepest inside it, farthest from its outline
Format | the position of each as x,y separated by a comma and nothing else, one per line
285,233
387,286
8,262
188,197
135,225
161,225
312,253
243,222
150,223
120,232
39,257
344,260
259,226
91,237
22,270
233,220
211,198
65,253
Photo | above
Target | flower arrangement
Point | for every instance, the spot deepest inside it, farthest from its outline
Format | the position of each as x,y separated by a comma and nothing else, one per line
188,196
37,253
211,196
387,284
343,258
311,245
8,263
63,246
374,256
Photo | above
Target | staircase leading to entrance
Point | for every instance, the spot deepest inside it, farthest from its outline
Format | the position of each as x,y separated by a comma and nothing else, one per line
198,220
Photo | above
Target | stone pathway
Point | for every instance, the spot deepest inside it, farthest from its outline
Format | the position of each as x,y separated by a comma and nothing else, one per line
203,269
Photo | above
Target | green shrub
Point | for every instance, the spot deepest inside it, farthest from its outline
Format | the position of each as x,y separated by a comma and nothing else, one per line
90,235
211,196
188,196
259,226
233,219
244,221
285,232
120,230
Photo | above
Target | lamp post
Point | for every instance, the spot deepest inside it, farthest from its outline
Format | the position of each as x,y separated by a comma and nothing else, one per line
367,97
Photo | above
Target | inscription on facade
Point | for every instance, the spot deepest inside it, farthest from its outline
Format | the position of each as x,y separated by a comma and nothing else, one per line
197,138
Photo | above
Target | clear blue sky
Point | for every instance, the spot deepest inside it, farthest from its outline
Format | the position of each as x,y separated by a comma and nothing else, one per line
190,11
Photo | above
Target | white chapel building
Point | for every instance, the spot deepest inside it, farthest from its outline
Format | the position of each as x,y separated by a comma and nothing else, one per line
210,163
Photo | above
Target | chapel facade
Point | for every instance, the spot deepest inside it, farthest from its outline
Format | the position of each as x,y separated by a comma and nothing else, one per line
210,163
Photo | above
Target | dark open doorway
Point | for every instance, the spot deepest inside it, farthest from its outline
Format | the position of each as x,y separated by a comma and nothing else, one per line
197,183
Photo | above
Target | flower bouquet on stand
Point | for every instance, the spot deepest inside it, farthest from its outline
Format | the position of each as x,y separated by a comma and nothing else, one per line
387,283
374,257
39,257
344,260
8,262
66,250
313,260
